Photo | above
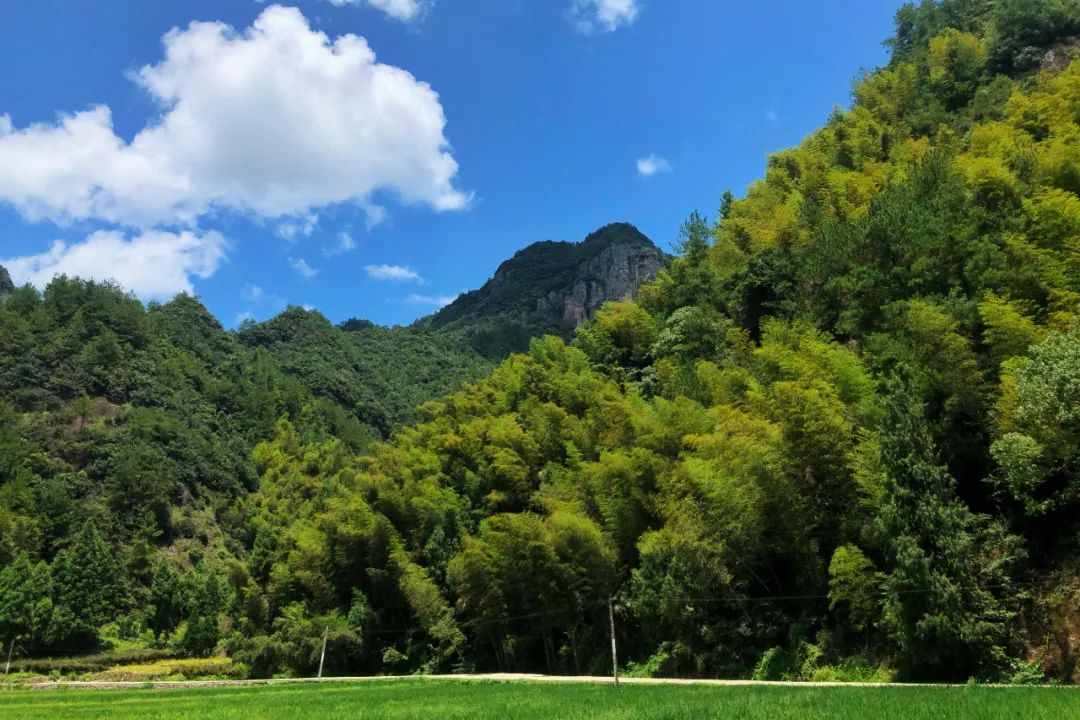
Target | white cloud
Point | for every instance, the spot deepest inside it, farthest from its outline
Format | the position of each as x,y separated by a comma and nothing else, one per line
396,273
256,295
593,16
257,298
772,116
374,215
152,264
275,120
436,300
300,266
651,165
344,244
302,226
398,9
252,293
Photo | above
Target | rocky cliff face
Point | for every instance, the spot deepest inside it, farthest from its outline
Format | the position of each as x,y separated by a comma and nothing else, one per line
550,288
612,274
6,286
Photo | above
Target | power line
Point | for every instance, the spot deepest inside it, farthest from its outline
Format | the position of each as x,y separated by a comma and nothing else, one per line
581,607
730,600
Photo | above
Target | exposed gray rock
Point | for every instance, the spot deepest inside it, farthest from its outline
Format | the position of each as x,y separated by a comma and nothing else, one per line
1059,57
6,286
613,274
550,288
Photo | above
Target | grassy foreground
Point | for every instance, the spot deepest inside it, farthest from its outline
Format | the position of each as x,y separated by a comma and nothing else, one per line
400,699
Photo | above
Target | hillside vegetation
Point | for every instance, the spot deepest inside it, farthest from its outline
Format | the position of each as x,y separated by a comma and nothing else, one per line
837,438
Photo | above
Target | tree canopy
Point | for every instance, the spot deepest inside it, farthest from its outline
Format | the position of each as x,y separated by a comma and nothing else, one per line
837,436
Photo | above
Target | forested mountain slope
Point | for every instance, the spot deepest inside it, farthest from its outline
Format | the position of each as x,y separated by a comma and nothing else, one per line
128,431
377,374
381,375
838,437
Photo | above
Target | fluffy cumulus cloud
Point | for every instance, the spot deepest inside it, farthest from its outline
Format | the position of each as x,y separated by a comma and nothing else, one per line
396,273
399,9
274,120
593,16
152,264
651,165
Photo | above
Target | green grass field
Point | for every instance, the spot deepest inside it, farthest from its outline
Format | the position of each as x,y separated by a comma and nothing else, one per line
400,699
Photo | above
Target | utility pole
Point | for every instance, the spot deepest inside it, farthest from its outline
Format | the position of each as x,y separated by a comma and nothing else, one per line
11,646
614,654
322,657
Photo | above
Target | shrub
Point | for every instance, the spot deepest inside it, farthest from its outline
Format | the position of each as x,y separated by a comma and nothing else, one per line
172,668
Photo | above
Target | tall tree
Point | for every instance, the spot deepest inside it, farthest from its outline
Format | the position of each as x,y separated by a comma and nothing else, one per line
90,579
944,623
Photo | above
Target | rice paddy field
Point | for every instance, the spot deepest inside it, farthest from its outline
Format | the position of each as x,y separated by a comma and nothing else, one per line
485,700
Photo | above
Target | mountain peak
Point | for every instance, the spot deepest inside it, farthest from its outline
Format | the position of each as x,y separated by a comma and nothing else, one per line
618,233
551,287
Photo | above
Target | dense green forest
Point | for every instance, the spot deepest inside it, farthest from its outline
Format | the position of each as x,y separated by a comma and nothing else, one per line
837,437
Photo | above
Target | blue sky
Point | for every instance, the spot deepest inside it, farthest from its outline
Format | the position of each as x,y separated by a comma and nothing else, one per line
373,158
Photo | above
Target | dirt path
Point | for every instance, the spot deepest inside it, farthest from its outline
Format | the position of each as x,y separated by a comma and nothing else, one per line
497,677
